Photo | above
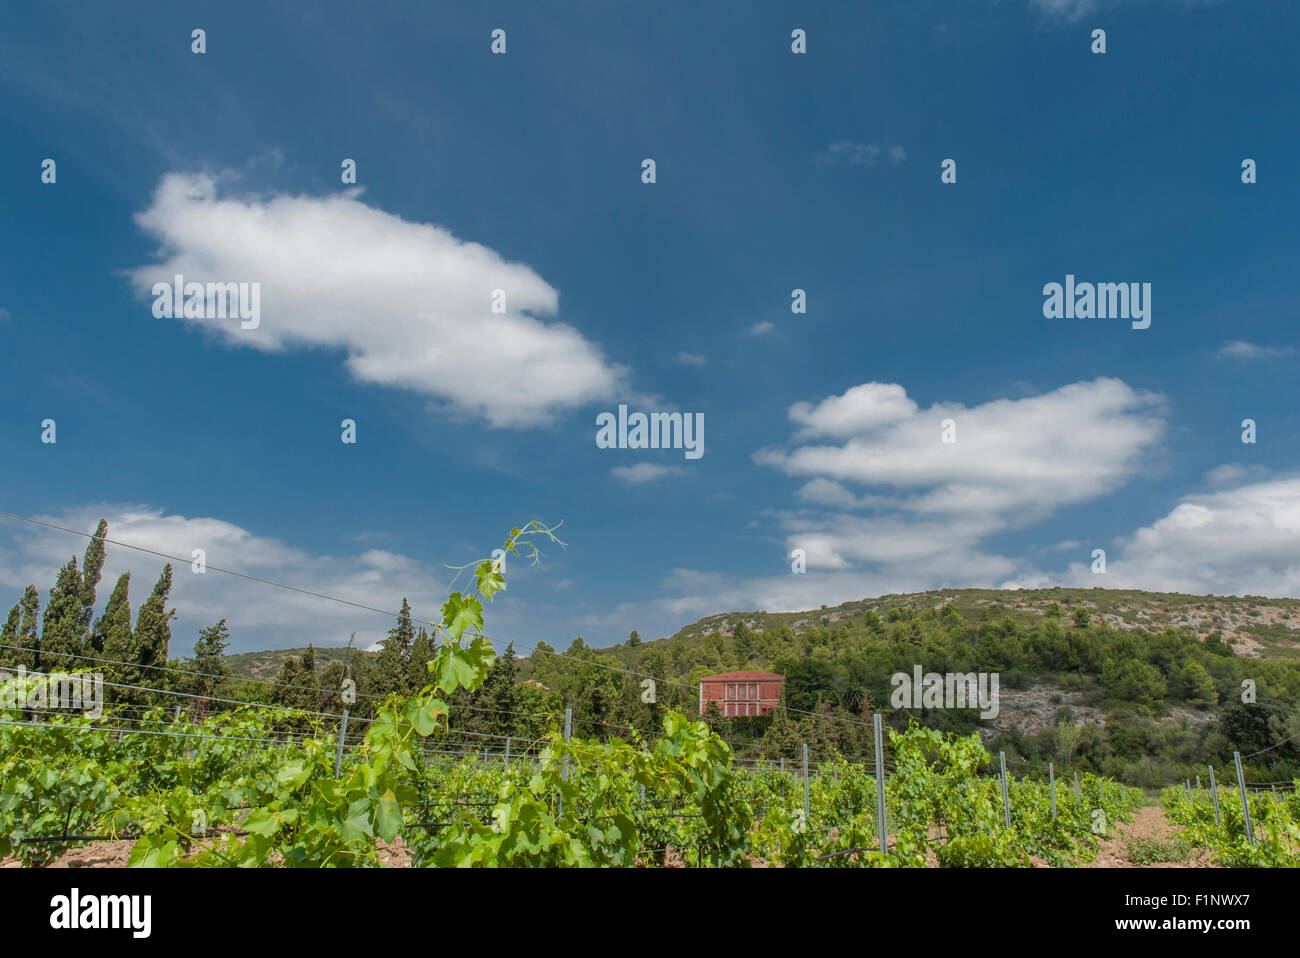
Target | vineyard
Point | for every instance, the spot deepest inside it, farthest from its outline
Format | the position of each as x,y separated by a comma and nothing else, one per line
287,787
1218,820
226,792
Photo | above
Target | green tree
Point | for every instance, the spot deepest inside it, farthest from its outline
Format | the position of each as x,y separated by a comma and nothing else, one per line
808,683
423,650
92,567
61,632
392,666
308,679
1133,681
498,696
111,636
149,642
1198,686
782,737
28,639
10,656
745,643
209,660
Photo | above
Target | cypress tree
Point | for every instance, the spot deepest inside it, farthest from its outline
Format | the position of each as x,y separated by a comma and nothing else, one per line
499,693
111,636
9,654
308,669
27,636
283,692
61,632
92,567
152,636
422,651
393,663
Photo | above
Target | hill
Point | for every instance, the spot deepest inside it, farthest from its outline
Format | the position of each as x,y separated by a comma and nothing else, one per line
1254,625
264,666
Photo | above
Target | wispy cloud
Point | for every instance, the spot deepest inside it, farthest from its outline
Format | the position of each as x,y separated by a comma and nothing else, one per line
848,153
1065,9
759,329
1234,474
1240,349
1072,10
690,359
644,472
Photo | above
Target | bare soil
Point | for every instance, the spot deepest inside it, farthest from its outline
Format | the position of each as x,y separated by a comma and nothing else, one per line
1149,822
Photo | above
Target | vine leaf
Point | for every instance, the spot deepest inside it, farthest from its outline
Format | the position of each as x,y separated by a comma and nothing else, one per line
460,613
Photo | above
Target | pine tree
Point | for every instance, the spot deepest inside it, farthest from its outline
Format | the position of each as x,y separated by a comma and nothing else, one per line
209,659
1199,685
92,567
782,737
111,637
152,635
61,632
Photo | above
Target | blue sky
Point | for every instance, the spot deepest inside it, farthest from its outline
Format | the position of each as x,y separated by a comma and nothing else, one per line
775,171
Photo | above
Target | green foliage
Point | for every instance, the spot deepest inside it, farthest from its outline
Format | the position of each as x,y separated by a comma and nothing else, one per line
1157,851
1275,822
61,631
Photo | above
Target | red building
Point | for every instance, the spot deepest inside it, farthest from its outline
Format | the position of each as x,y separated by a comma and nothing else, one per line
741,693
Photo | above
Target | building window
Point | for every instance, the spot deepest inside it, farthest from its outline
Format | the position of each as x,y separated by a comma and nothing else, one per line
731,691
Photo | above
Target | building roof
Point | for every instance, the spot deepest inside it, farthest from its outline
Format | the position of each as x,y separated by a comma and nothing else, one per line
744,677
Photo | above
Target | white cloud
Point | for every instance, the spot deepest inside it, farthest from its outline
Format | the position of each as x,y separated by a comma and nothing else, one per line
758,329
4,314
1017,458
409,303
859,410
1239,349
644,472
690,359
259,615
1243,541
